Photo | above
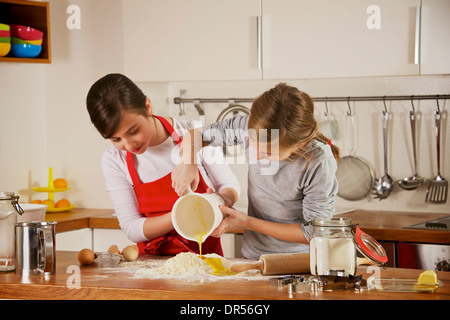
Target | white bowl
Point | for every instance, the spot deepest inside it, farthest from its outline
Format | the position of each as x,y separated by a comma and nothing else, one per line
32,212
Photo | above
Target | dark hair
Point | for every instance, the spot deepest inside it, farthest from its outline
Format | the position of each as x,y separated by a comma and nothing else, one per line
108,97
291,111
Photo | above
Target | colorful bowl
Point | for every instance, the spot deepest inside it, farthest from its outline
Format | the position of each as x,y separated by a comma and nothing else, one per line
4,49
4,27
15,40
25,50
5,33
26,33
5,39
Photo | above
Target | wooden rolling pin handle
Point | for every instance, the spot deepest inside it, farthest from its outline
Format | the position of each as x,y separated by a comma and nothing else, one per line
244,266
364,261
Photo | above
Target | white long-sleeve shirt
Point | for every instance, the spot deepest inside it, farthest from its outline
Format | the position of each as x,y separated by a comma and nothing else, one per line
155,163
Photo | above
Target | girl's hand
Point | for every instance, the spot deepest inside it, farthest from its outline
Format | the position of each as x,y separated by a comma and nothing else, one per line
229,197
234,221
183,176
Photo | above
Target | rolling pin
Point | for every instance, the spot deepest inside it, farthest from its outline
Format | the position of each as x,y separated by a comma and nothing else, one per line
283,263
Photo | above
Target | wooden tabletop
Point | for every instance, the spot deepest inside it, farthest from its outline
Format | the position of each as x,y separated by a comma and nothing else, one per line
104,283
79,218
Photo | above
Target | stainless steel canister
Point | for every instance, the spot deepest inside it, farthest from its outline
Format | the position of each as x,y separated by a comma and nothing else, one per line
35,248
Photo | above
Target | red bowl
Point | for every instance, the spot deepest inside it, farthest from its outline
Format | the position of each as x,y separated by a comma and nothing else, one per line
4,33
26,33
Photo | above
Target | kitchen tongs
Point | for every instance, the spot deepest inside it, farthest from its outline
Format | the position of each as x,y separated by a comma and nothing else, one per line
438,187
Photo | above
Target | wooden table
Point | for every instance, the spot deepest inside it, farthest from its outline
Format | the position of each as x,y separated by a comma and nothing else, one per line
102,283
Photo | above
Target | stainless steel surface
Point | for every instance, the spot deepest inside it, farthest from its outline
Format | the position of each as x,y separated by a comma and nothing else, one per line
354,175
35,248
178,100
415,181
424,256
259,41
438,187
417,36
232,109
384,186
435,224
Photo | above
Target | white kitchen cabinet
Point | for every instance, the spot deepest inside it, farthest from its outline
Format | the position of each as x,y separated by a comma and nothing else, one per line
435,37
104,238
74,240
174,40
311,39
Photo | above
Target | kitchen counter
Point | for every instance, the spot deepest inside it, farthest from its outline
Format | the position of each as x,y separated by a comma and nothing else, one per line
80,218
390,226
105,283
382,225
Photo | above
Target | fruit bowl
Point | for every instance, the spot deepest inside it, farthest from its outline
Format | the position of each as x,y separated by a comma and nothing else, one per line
53,210
57,185
49,189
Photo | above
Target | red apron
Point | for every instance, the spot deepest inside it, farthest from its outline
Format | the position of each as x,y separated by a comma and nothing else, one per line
157,198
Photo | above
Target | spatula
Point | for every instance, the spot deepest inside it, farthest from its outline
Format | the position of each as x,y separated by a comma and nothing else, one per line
438,187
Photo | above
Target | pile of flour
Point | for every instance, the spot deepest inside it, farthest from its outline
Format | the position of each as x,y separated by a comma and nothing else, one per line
188,264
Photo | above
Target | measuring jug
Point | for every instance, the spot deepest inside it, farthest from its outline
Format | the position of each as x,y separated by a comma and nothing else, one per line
196,215
9,207
35,248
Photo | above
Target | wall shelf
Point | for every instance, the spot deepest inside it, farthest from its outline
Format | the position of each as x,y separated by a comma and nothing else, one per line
28,13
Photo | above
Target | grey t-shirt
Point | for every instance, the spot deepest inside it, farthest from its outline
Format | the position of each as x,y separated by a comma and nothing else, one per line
285,191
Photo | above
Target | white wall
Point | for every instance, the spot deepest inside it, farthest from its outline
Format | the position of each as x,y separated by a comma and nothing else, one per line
368,115
44,121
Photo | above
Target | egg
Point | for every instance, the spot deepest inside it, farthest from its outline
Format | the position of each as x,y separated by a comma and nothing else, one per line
86,256
114,249
130,253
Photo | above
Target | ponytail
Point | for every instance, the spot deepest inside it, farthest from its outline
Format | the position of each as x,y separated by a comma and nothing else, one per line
334,149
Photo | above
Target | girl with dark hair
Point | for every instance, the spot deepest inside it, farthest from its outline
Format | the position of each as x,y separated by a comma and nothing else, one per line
137,167
291,177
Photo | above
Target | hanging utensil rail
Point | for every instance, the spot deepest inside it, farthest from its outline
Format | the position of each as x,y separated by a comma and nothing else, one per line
178,100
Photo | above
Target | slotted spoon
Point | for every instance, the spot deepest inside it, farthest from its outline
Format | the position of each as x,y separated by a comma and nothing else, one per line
383,187
438,187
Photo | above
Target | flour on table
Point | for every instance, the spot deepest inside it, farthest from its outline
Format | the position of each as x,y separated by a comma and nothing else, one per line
188,264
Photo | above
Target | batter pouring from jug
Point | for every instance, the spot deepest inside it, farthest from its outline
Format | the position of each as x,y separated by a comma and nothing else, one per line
281,130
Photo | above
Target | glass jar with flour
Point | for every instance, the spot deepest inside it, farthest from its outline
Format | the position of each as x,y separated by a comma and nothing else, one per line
9,208
333,245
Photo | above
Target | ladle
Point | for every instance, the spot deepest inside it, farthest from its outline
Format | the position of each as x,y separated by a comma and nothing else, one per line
384,186
415,181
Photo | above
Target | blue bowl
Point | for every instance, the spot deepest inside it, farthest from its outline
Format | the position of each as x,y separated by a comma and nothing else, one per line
25,50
